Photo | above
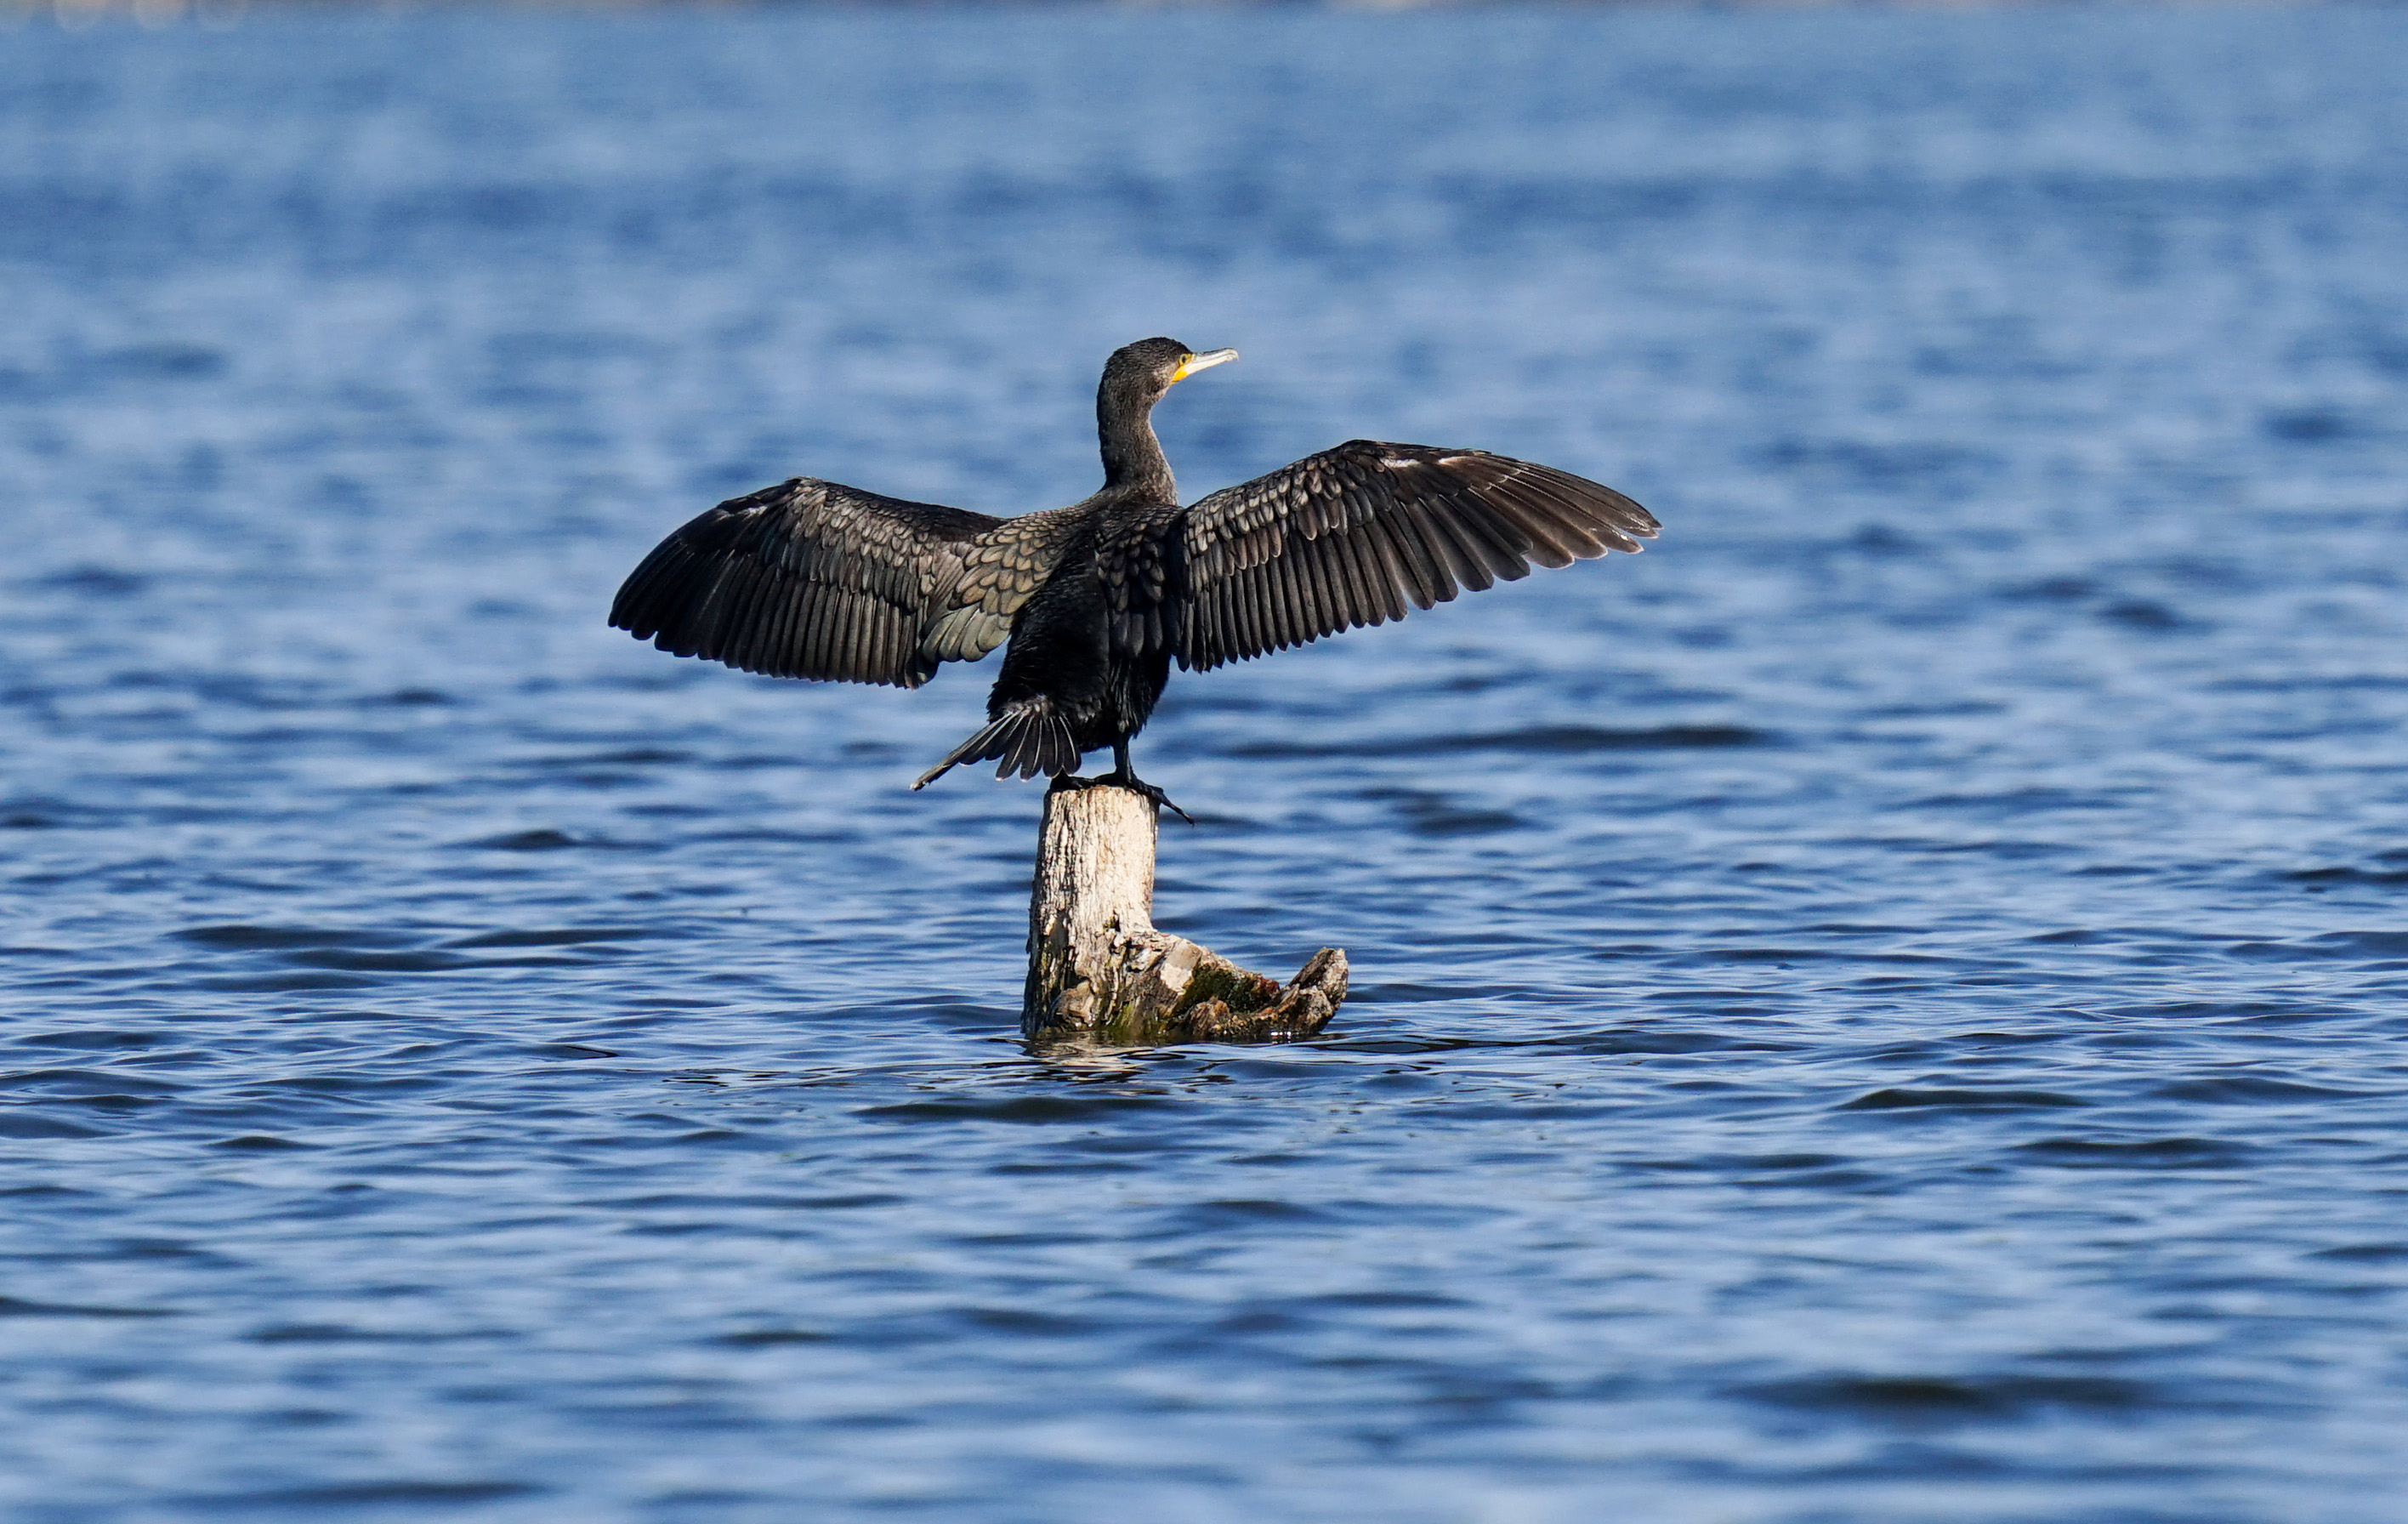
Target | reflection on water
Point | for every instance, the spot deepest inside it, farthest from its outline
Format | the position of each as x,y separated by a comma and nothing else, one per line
1885,1007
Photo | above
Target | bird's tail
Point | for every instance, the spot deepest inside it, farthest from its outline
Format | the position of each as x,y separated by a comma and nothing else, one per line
1029,738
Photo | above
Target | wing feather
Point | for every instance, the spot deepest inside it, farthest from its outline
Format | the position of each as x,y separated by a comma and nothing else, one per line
1288,611
1367,588
1388,569
817,580
1464,568
794,606
742,626
1359,533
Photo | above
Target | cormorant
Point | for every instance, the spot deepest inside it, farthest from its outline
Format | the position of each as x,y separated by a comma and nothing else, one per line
810,579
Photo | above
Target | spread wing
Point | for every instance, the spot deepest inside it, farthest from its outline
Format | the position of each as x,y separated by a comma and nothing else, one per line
813,579
971,610
1351,536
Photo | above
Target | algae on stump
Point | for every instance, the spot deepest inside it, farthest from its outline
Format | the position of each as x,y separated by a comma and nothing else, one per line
1098,968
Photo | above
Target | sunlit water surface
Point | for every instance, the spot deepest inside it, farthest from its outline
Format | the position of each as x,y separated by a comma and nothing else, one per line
1887,1007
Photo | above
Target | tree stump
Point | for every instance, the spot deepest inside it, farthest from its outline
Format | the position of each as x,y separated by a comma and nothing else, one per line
1098,971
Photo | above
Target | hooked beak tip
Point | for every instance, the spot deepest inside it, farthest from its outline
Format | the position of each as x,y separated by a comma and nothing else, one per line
1194,362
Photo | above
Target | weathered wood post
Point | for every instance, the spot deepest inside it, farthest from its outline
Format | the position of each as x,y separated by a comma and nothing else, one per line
1099,972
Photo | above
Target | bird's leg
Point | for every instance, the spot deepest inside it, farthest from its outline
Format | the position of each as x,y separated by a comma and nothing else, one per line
1125,777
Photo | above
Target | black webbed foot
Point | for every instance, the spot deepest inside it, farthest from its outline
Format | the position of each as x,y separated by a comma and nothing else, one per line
1137,787
1130,782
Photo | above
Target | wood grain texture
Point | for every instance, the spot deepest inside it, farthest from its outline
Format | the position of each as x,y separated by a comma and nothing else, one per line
1100,973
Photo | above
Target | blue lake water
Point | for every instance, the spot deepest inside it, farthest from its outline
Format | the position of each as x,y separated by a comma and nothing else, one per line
1887,1007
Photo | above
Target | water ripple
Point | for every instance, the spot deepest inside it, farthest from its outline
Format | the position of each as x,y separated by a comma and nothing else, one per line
1885,1007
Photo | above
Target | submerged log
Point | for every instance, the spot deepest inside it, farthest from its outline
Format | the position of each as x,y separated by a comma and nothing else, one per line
1099,972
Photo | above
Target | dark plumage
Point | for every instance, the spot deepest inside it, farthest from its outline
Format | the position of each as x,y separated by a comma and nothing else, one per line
810,579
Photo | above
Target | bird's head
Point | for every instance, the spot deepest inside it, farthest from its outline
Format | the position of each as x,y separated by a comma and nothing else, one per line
1140,373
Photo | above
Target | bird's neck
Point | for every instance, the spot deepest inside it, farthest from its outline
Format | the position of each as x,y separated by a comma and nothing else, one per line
1134,464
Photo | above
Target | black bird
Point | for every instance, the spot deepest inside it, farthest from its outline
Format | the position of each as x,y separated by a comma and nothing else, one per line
810,579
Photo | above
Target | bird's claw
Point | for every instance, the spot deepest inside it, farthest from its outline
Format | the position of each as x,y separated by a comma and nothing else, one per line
1130,782
1159,798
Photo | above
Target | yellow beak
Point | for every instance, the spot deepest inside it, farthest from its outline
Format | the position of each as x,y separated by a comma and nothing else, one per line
1194,362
